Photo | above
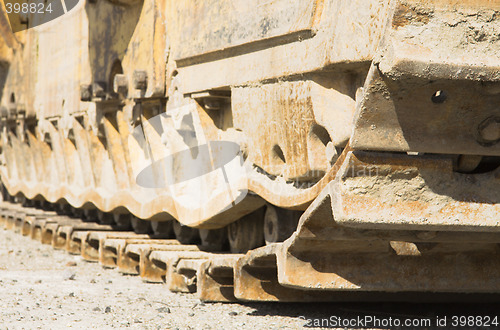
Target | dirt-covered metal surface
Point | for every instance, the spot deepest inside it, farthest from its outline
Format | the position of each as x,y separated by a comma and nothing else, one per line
41,287
290,151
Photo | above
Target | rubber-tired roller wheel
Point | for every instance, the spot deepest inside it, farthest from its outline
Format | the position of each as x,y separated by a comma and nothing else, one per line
164,229
123,221
141,226
214,239
246,233
63,209
27,202
76,212
105,218
90,215
279,224
46,206
186,234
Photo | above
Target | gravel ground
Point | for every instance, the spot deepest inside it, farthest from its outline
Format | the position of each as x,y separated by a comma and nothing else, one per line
49,289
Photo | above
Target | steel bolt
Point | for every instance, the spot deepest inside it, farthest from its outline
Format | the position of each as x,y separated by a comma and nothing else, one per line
85,92
120,84
99,89
4,111
12,110
140,79
489,130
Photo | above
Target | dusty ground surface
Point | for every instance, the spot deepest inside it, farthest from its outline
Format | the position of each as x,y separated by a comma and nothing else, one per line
50,289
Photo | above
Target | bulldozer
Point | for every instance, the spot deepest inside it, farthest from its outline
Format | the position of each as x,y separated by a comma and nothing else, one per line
331,149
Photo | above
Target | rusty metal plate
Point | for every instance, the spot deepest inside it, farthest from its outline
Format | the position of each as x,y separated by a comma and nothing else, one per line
213,25
395,191
430,116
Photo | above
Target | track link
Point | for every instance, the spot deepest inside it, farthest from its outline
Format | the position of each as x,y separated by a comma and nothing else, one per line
183,267
188,268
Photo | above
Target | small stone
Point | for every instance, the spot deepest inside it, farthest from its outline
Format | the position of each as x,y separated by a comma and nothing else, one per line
233,313
163,310
191,314
96,309
137,321
109,282
71,264
69,276
107,310
71,294
93,281
38,281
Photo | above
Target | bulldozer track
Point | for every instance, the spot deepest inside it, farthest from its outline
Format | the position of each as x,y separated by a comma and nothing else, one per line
315,150
186,268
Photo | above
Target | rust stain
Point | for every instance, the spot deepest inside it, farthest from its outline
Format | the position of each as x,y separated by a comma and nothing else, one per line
406,15
453,4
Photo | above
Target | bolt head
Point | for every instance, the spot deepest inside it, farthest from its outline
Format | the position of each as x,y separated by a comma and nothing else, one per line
120,84
140,79
85,92
4,112
99,89
12,110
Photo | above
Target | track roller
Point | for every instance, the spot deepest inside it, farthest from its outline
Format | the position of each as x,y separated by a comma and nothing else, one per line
163,228
63,209
185,234
279,224
122,221
105,218
90,215
141,226
214,239
76,212
246,233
